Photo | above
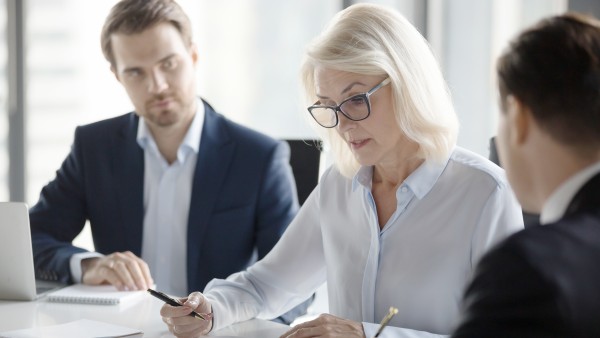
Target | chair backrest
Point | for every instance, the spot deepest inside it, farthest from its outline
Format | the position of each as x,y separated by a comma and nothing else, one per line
528,218
304,160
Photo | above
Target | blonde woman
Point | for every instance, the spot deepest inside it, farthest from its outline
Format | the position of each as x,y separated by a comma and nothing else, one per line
402,216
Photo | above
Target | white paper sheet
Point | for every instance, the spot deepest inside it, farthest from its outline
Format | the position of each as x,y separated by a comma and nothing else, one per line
82,328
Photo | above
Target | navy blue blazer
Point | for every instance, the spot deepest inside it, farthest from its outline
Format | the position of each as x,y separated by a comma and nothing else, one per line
543,281
243,198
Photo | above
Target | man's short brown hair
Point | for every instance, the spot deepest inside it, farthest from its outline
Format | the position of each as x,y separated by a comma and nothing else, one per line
135,16
554,69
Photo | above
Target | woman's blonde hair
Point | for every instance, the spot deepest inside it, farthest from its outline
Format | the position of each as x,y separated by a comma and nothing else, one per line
375,40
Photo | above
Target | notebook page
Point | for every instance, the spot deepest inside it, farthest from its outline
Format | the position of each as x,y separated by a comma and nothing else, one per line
92,294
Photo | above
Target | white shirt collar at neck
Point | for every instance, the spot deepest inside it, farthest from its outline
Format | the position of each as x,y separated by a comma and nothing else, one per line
191,140
556,206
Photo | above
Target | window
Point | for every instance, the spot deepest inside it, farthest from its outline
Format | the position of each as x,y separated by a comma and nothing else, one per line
249,60
4,107
68,82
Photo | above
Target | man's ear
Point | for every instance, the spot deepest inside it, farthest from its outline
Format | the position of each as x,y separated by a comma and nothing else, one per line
518,118
194,52
114,71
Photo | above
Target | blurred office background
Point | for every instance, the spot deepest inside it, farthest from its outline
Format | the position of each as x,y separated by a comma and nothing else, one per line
53,76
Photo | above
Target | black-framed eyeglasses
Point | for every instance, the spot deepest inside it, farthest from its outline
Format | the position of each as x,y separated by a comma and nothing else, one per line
355,108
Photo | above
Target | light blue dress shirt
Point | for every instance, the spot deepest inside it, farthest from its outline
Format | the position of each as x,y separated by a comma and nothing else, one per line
447,216
167,196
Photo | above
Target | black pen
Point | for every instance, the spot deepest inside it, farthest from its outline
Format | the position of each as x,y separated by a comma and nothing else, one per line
173,302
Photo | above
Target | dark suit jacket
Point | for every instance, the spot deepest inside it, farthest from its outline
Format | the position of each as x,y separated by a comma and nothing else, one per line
543,281
243,198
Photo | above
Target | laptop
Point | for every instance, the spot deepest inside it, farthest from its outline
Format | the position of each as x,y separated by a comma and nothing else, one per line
17,277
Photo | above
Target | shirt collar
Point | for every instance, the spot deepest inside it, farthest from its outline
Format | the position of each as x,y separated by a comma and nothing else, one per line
557,204
192,138
420,181
363,177
190,141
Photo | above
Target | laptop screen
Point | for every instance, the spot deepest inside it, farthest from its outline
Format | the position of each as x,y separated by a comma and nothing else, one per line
17,277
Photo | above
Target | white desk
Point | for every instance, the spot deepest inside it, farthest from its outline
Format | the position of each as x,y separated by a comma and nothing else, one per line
142,314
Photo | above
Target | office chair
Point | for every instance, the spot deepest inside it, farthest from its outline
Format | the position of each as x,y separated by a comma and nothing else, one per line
305,159
529,219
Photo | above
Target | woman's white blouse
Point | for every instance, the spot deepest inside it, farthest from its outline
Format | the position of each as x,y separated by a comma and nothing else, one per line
447,216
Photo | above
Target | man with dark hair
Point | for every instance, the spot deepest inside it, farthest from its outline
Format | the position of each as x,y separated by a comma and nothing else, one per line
545,280
175,193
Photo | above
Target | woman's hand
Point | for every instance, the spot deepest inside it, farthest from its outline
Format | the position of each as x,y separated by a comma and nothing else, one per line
327,326
181,324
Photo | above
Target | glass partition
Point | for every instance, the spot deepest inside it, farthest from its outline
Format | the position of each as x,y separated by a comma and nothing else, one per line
4,195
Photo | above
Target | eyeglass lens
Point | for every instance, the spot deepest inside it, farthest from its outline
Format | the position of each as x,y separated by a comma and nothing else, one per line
355,108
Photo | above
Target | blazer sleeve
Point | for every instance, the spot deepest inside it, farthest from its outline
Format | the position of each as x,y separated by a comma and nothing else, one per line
58,217
508,297
278,201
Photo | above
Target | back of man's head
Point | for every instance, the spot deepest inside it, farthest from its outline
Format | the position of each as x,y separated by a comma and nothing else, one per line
135,16
554,69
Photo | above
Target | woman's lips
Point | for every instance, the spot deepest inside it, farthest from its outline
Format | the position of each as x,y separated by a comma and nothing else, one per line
357,144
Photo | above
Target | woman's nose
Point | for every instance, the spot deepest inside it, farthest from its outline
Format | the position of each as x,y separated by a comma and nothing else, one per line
344,123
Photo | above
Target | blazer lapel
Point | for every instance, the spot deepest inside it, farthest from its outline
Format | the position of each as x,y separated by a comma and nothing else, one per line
214,157
128,170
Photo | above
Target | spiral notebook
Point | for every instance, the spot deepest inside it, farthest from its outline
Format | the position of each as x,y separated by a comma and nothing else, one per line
93,294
